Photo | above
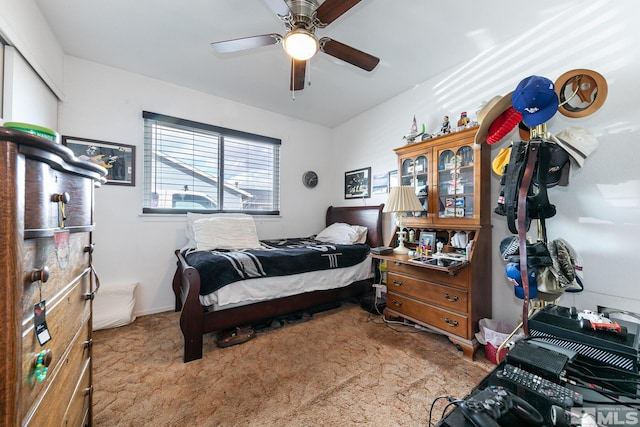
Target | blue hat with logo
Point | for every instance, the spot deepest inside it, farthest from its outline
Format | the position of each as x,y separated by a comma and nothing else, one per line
512,269
536,98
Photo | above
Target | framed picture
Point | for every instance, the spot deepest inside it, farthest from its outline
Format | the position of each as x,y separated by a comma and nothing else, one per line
428,239
357,184
118,159
393,179
380,183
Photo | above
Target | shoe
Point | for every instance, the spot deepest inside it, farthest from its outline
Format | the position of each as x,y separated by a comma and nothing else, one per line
238,335
299,318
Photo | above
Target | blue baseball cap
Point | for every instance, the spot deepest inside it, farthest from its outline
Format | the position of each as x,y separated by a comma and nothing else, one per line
512,269
536,98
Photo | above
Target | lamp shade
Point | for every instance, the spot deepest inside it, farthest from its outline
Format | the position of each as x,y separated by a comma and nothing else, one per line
402,199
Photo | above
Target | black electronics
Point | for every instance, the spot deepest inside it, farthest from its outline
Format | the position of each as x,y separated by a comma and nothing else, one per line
522,382
372,304
547,363
554,324
599,350
486,408
382,250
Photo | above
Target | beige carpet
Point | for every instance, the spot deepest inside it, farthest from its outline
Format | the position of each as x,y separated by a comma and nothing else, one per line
345,367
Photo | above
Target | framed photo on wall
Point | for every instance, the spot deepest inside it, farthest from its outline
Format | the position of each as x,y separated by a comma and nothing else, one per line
393,179
357,184
381,183
118,159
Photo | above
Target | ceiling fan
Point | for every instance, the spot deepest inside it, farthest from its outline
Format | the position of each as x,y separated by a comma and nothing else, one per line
301,19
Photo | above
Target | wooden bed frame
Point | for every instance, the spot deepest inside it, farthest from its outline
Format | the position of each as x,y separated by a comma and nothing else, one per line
195,321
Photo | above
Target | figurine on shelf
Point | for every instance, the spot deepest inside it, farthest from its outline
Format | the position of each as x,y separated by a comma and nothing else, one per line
464,120
414,133
446,126
423,251
439,247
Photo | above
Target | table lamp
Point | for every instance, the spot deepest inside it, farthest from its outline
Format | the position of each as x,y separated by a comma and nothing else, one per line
402,200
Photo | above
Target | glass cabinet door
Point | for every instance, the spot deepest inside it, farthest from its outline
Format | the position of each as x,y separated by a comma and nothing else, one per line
422,183
406,175
456,183
415,173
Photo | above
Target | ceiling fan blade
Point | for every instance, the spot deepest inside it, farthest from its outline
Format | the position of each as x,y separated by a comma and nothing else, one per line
246,43
298,69
279,7
348,54
331,10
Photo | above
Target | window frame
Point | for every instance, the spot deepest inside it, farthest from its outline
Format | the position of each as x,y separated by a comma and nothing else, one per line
222,134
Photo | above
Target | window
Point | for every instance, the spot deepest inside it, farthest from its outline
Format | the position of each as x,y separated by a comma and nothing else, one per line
191,166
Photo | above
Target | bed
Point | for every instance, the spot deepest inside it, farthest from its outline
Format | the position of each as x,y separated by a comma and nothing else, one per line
199,314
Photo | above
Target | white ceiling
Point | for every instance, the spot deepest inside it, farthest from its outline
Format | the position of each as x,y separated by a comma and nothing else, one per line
170,40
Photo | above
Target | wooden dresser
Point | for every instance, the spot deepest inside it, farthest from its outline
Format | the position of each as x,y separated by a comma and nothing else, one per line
451,178
46,223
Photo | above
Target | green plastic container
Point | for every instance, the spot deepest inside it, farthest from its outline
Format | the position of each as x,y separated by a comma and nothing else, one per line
34,130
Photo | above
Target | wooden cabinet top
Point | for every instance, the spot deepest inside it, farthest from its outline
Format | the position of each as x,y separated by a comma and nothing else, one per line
55,155
456,138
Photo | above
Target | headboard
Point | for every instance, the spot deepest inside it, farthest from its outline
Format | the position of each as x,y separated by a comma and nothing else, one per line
367,216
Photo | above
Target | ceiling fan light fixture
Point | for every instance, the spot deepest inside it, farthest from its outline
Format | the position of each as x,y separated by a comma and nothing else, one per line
300,44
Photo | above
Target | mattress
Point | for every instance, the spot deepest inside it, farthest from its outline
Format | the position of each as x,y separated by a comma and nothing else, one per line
250,291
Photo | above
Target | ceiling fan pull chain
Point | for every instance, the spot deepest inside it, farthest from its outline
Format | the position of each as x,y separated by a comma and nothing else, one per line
308,73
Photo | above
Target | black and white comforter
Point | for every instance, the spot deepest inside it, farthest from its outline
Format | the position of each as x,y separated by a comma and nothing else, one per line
276,258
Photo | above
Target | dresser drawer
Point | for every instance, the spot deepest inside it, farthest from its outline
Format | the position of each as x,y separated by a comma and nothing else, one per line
447,321
443,296
65,266
63,384
77,412
459,279
41,213
66,313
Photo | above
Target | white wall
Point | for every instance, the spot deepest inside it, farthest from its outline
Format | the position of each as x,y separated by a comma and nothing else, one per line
106,104
599,212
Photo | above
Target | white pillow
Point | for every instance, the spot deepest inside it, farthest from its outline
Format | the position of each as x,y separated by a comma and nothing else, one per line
362,233
226,232
341,233
113,306
193,217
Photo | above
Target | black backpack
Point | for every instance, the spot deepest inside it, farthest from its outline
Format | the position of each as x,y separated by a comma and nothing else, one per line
536,155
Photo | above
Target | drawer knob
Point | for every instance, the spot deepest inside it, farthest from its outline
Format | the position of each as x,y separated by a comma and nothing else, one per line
62,200
451,298
40,275
397,303
397,282
41,363
452,323
63,197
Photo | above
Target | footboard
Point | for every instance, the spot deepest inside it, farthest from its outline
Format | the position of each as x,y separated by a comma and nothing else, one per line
186,287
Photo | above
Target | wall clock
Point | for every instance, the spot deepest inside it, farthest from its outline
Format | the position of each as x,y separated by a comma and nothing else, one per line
310,179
